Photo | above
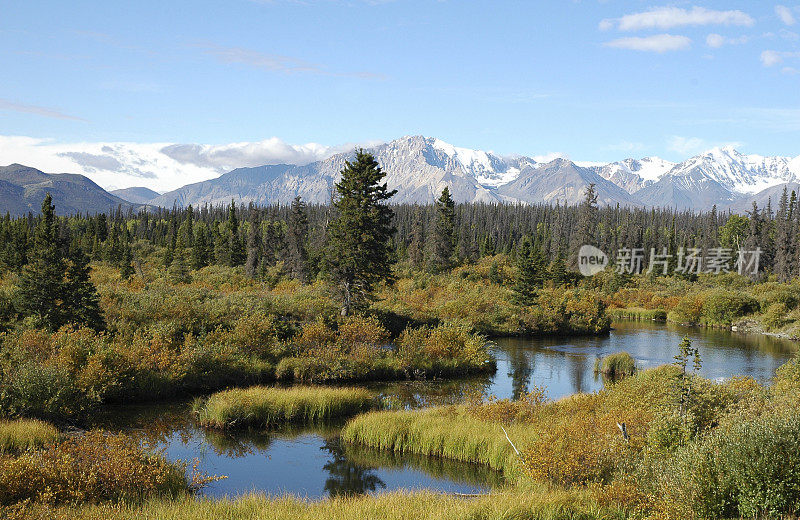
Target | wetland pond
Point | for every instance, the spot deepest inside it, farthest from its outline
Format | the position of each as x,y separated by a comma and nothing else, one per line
311,462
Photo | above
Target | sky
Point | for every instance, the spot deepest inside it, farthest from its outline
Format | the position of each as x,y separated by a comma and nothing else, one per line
161,93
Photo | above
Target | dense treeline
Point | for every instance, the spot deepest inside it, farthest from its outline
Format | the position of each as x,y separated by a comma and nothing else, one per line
430,236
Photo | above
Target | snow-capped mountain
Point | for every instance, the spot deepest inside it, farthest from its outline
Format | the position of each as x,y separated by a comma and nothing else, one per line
420,167
719,176
741,173
488,169
634,174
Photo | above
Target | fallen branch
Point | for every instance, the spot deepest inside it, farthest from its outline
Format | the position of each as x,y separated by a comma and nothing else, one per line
509,441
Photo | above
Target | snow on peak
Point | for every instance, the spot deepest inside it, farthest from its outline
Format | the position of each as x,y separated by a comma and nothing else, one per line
739,172
651,168
488,169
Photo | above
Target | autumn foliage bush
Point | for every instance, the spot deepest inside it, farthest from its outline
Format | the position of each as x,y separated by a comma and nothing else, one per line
95,467
359,348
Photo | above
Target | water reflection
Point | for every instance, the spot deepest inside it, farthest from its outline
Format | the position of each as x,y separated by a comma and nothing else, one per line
304,461
347,477
565,366
311,462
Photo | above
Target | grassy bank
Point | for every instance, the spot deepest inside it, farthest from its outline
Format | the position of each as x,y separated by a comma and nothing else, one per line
716,301
262,406
24,434
539,503
448,432
565,442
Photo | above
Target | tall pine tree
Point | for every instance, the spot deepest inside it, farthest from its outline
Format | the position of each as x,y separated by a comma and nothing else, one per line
444,231
359,238
296,258
41,286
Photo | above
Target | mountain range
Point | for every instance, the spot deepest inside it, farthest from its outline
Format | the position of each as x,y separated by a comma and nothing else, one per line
23,188
420,167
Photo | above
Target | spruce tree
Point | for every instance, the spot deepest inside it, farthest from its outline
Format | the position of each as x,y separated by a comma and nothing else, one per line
236,250
200,249
296,257
587,225
81,305
530,274
359,250
783,239
178,271
416,249
41,285
443,244
126,258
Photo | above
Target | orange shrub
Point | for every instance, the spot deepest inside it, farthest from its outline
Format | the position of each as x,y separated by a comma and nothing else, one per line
94,467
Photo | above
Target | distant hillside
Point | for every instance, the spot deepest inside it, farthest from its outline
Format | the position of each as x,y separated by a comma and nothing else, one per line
23,188
771,194
136,194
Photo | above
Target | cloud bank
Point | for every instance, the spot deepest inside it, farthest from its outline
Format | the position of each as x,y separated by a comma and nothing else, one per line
664,18
158,166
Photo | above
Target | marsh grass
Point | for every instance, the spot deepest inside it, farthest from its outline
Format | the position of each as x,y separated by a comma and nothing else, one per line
267,406
637,314
449,432
22,434
539,503
615,366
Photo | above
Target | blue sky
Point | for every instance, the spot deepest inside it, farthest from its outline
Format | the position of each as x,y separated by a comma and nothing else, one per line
597,81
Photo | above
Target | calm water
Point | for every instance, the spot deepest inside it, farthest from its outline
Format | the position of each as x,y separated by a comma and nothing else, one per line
311,462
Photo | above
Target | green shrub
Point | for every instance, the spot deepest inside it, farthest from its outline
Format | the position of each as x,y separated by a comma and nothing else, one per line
559,311
751,469
776,316
724,307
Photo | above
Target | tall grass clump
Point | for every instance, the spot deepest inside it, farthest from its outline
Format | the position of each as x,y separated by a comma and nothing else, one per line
23,434
615,366
449,432
637,314
264,406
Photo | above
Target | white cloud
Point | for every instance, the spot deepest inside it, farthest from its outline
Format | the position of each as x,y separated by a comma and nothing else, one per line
785,14
717,40
625,146
686,146
158,166
552,156
771,58
656,43
669,17
791,71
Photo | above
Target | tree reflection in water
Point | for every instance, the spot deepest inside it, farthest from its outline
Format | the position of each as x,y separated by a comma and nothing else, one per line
347,478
